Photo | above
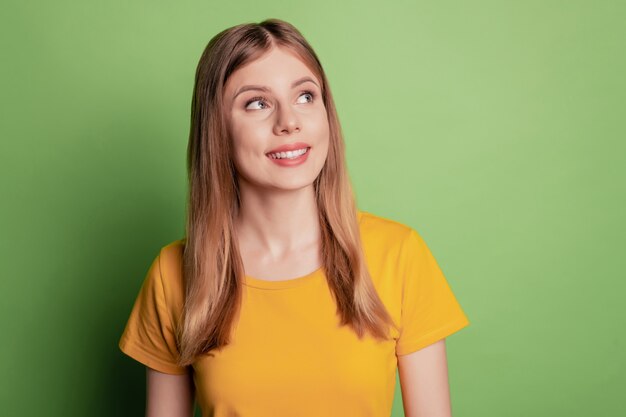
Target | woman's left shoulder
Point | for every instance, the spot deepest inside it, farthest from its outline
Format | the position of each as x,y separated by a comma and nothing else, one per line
382,229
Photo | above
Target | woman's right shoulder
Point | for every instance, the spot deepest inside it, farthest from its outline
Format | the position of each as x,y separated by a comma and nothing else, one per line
173,251
170,264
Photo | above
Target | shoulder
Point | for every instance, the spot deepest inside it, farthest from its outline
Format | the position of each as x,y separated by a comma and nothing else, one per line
171,255
388,246
389,241
170,262
378,231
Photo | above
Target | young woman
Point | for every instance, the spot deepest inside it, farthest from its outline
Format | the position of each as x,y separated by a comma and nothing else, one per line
284,299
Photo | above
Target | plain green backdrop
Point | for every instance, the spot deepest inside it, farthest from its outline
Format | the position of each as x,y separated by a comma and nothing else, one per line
494,128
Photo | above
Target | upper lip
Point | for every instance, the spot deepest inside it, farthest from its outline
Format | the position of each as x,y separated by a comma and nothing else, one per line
290,147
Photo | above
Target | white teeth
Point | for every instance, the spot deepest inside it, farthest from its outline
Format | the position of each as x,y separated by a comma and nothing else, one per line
288,154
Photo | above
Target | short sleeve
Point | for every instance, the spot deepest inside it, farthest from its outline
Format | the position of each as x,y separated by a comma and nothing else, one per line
430,311
149,336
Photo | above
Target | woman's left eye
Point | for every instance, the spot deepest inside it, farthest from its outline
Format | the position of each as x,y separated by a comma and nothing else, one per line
310,94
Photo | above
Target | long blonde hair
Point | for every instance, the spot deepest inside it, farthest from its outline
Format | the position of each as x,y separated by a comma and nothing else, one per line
212,266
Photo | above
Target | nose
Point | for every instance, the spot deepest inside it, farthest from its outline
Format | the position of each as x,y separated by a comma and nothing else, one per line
287,121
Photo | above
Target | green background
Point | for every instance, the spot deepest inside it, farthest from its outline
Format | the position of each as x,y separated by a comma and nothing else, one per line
494,128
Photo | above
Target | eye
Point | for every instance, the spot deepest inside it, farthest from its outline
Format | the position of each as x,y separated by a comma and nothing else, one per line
310,94
254,100
262,101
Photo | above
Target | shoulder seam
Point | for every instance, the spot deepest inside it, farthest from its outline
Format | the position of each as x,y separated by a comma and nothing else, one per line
389,220
167,310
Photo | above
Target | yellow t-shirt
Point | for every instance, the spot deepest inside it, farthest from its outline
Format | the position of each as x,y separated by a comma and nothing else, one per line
288,355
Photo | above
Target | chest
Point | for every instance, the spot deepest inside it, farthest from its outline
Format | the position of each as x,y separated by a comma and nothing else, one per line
289,350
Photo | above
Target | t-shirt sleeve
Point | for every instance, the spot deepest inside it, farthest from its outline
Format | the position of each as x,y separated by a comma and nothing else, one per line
149,336
430,311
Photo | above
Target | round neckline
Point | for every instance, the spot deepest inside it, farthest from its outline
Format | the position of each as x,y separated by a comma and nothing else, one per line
264,284
251,281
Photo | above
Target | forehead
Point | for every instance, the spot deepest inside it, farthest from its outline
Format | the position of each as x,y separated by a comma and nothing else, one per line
279,66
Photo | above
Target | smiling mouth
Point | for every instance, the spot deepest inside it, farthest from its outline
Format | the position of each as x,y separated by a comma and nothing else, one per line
288,154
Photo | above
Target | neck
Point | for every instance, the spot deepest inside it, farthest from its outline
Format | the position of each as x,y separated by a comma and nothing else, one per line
277,222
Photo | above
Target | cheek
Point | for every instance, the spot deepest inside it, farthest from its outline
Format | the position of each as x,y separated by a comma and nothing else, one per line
247,145
321,127
238,146
243,139
323,131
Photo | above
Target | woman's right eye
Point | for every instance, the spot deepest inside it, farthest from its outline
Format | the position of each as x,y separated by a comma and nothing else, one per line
254,100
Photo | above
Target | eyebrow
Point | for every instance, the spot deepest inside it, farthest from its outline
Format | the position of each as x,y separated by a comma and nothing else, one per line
267,89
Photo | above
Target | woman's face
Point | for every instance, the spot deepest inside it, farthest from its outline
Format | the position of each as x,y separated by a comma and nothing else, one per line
274,105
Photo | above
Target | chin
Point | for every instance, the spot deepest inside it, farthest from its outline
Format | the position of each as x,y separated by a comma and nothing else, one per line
293,186
289,182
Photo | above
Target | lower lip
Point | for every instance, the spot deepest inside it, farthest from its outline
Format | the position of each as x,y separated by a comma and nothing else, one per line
286,162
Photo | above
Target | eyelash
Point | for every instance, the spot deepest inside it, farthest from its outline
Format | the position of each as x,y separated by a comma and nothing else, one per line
260,98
